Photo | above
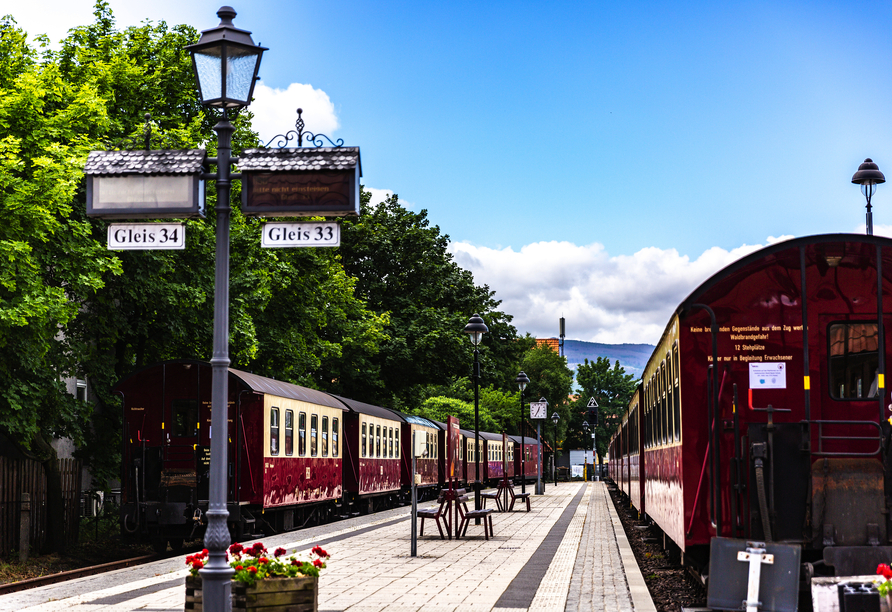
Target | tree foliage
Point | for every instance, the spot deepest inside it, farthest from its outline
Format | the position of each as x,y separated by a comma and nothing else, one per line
550,378
612,388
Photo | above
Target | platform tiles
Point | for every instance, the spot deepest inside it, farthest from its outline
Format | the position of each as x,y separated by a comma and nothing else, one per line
568,554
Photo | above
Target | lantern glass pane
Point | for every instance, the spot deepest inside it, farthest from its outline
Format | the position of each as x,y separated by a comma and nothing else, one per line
240,67
208,65
142,191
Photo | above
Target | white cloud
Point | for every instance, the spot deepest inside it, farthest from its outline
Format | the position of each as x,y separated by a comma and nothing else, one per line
378,195
275,111
627,298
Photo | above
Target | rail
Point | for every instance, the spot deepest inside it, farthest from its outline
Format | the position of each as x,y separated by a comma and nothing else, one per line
821,438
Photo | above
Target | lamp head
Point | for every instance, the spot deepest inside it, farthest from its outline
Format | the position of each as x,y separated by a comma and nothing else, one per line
868,176
226,62
522,380
475,329
555,417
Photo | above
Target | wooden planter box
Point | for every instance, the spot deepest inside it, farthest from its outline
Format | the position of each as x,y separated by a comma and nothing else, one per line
299,594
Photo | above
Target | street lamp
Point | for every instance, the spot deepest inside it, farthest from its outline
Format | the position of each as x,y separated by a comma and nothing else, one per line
226,62
868,176
555,418
585,429
475,330
522,381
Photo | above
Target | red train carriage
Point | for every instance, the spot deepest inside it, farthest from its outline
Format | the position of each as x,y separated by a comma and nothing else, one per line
529,466
494,452
762,411
372,455
273,477
426,467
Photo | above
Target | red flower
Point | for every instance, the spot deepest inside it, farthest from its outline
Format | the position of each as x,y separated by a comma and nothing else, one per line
252,569
204,552
263,560
235,549
885,570
197,564
280,551
317,550
318,563
294,562
239,568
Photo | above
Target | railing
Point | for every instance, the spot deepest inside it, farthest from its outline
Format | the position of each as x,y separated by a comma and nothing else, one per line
822,438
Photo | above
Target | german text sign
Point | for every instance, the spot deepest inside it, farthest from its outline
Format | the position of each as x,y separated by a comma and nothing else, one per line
146,236
307,234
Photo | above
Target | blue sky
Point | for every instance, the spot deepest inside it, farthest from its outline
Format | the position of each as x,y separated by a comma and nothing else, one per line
588,159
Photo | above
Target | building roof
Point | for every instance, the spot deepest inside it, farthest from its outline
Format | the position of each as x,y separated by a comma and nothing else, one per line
301,158
175,161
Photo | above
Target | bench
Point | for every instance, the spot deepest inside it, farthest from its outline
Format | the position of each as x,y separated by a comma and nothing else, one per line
496,496
433,513
468,515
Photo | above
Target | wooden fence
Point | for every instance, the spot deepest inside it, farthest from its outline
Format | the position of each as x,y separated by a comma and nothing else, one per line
18,476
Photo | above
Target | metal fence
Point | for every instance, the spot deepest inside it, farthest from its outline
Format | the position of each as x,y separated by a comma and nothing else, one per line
20,476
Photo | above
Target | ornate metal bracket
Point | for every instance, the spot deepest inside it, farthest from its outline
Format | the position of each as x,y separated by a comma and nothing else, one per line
143,140
282,140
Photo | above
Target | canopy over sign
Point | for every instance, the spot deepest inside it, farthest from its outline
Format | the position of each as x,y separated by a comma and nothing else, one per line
302,181
145,184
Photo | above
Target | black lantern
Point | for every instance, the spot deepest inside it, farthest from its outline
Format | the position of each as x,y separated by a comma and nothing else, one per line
475,330
555,417
868,176
522,381
226,62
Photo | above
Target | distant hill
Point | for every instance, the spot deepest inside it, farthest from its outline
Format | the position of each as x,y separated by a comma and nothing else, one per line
632,357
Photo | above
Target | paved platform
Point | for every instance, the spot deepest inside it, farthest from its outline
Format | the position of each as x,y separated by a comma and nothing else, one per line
568,554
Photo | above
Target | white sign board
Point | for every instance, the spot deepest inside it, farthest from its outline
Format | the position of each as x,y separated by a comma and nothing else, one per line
304,234
768,375
592,403
146,236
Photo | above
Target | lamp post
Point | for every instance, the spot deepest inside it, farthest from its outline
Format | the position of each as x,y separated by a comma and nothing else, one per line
555,417
226,62
475,330
522,381
868,176
585,433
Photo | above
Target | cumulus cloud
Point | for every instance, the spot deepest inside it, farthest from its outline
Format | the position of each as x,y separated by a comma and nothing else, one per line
275,110
612,299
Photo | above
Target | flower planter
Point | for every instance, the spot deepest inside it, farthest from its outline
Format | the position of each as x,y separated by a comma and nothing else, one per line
273,594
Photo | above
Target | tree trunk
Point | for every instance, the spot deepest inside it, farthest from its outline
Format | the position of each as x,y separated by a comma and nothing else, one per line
55,511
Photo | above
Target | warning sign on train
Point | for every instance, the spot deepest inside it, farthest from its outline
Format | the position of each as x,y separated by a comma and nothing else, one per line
768,375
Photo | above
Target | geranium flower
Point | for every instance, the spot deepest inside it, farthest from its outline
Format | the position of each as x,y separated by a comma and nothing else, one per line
280,551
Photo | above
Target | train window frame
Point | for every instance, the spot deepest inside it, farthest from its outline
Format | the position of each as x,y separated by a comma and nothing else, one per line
664,407
396,442
390,442
676,392
274,430
847,367
289,433
364,427
324,432
335,437
314,434
302,434
377,441
184,417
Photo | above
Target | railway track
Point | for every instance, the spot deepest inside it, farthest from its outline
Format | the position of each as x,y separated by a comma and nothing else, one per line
32,583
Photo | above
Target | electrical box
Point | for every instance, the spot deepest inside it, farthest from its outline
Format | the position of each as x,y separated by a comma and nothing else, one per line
420,440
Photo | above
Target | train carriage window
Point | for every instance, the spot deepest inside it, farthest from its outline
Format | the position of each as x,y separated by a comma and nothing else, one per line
364,454
325,436
274,431
289,432
302,434
334,437
854,360
377,441
185,417
461,449
396,442
314,435
664,403
676,400
390,443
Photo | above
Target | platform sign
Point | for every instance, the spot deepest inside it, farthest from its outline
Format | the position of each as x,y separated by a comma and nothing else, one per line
146,236
768,375
303,234
453,439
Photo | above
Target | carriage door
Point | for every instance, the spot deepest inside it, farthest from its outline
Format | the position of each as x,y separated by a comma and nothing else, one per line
185,462
847,472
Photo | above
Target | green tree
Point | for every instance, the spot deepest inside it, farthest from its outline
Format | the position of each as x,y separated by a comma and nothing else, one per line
439,408
403,268
552,379
612,388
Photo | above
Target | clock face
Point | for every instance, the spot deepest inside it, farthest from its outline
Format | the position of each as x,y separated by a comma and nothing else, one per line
538,410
